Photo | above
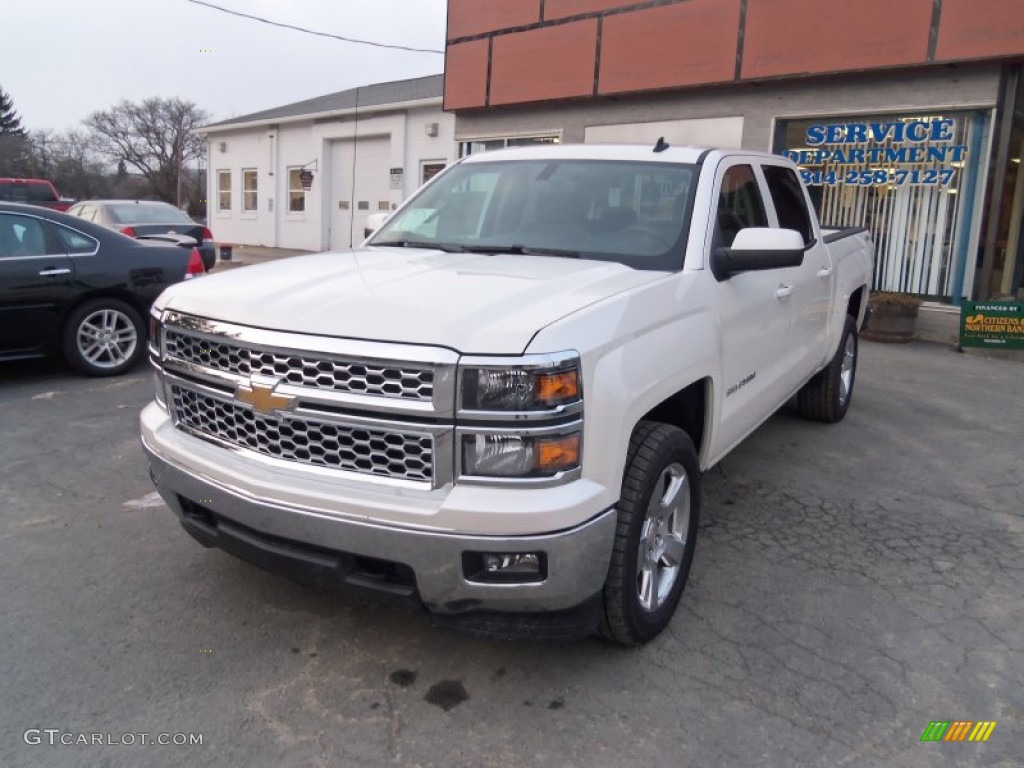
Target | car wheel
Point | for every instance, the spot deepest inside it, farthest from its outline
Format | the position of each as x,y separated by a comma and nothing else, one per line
104,337
827,396
656,534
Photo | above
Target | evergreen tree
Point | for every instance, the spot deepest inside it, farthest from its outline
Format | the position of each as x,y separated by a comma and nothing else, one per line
9,120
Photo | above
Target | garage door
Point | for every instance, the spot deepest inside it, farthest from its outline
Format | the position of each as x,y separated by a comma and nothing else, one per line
360,186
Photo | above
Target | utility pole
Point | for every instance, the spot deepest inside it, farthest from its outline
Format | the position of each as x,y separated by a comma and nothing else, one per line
177,164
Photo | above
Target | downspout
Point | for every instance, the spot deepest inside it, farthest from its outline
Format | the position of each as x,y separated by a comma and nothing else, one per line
273,207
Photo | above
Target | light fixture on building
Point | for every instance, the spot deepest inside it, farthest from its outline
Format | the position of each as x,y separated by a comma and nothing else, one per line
431,129
223,147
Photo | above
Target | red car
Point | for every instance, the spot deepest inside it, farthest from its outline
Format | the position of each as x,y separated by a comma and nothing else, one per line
34,192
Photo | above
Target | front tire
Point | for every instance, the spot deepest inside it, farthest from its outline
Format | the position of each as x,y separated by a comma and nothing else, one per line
104,337
656,534
827,396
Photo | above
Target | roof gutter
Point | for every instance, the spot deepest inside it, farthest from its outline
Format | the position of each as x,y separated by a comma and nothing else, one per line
314,116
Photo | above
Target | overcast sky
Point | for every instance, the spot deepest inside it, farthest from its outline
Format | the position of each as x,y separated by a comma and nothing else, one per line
63,59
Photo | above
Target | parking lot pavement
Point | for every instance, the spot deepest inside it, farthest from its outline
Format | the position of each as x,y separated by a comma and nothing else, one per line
852,583
248,255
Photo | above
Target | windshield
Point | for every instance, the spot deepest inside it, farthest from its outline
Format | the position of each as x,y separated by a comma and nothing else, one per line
636,213
148,213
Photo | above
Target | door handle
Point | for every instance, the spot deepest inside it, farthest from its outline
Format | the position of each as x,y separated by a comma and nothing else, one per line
52,272
783,291
824,272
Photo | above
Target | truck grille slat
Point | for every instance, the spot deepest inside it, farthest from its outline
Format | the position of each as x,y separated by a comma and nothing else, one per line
387,453
302,368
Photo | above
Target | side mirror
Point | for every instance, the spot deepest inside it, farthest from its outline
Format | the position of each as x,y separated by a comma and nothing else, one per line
374,222
756,249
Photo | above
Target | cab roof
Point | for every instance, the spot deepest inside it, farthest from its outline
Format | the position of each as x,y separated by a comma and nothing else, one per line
632,152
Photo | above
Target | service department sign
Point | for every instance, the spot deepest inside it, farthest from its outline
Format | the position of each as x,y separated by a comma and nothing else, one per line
920,151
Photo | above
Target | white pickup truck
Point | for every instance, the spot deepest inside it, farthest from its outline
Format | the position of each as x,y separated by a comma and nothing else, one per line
500,406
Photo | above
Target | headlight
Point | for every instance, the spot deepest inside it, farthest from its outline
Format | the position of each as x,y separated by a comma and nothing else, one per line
519,455
520,419
530,383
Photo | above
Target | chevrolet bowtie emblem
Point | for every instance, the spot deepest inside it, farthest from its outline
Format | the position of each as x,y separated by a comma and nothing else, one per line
262,397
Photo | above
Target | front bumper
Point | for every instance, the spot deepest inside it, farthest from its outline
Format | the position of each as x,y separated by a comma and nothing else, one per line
424,567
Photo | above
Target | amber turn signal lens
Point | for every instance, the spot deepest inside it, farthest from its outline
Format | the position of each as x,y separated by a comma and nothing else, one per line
561,387
559,453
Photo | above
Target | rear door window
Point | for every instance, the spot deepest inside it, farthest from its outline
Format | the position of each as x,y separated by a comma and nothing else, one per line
75,242
788,198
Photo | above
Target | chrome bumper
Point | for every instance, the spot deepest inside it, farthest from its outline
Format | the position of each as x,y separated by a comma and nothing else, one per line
577,559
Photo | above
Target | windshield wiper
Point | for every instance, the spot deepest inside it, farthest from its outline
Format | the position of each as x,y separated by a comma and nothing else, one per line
446,247
521,250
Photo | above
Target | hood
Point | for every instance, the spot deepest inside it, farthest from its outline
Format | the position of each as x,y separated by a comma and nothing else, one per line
473,303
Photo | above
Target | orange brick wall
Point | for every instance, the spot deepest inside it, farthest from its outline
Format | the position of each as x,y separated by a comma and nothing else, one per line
546,63
503,52
975,29
670,45
785,37
471,17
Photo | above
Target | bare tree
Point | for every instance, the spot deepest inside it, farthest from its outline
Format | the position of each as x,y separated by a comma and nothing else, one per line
157,137
70,160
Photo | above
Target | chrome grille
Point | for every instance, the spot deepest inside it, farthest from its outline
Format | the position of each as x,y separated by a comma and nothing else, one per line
387,453
302,368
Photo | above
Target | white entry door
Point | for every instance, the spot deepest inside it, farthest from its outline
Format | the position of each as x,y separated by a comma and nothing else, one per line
360,186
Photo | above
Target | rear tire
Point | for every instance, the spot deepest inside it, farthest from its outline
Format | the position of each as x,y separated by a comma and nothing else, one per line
104,337
827,396
656,534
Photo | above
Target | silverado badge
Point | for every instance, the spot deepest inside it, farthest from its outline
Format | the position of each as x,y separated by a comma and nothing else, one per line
261,396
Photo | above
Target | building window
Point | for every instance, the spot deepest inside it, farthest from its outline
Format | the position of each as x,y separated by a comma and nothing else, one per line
249,190
430,170
901,177
476,146
296,194
223,190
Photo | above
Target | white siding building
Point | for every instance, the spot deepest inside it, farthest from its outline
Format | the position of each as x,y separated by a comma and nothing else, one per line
367,148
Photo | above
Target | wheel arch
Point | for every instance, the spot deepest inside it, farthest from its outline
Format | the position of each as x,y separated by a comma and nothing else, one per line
855,307
687,408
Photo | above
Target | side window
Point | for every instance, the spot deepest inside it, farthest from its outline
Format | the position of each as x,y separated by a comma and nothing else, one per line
223,190
788,196
21,236
739,204
75,242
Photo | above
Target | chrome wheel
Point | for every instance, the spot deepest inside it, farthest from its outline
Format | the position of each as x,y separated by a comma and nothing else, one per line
847,367
663,537
106,338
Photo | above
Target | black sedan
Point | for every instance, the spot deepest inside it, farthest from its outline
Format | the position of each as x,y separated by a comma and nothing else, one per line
150,219
73,287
